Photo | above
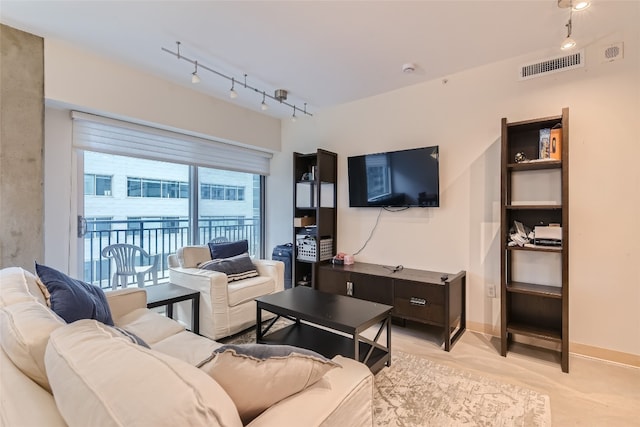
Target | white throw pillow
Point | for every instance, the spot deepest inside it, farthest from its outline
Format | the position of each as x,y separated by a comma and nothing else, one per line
257,376
99,378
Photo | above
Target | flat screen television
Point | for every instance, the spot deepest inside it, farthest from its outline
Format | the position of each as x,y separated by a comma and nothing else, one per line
405,178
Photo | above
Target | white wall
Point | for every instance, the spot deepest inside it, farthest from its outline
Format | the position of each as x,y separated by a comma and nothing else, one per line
463,118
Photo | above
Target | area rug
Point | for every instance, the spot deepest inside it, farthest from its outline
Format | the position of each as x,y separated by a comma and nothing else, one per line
416,392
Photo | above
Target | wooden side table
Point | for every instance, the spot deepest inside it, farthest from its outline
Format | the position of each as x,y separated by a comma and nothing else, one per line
167,294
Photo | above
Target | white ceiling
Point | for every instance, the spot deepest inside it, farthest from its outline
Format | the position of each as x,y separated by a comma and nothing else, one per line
323,52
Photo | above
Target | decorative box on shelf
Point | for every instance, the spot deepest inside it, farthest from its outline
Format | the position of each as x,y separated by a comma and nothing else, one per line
304,221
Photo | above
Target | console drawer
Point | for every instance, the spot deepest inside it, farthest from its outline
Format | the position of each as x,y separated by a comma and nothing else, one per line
419,301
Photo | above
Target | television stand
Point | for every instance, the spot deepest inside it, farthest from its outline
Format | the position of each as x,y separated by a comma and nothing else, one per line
428,297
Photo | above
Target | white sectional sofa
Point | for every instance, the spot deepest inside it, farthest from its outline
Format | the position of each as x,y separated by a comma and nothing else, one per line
85,374
225,308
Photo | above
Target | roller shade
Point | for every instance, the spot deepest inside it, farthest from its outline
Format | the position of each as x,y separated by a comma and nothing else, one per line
105,135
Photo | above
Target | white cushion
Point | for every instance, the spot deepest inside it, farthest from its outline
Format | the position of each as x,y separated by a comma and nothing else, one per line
102,380
149,325
191,256
19,285
24,332
187,346
250,289
343,397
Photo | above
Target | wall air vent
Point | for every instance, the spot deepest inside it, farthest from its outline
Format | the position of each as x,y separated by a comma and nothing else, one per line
552,65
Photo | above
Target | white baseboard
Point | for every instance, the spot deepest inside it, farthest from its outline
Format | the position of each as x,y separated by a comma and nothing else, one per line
575,348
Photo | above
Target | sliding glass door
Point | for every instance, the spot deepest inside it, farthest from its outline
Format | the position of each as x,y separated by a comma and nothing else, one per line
161,206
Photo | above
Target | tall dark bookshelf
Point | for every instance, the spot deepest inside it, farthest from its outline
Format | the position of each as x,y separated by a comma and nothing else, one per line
531,307
315,198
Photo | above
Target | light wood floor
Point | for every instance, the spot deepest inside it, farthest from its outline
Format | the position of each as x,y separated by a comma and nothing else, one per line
593,393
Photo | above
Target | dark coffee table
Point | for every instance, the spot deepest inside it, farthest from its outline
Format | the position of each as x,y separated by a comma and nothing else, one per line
328,324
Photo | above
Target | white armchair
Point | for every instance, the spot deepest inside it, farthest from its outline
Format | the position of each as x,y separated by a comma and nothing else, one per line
225,308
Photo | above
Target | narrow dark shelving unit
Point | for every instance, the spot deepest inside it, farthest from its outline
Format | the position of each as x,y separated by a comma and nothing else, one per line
315,198
536,310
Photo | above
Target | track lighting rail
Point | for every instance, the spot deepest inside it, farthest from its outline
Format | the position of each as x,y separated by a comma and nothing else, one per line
199,65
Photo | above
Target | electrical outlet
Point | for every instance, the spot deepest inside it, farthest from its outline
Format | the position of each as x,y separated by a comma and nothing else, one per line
491,290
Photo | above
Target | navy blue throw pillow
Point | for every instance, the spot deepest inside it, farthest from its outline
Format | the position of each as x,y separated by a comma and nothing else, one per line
228,249
74,299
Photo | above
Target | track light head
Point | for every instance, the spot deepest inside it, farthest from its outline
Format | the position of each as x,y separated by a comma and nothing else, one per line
195,78
232,93
576,5
581,5
293,117
264,105
568,43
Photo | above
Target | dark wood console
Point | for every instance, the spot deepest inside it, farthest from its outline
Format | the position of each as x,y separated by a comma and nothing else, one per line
429,297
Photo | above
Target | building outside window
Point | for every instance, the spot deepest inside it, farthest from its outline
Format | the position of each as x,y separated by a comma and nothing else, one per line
221,192
142,187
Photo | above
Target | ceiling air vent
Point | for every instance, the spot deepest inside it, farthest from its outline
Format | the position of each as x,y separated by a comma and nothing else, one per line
552,65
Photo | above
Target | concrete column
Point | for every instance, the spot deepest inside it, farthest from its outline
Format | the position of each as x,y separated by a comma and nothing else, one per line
21,148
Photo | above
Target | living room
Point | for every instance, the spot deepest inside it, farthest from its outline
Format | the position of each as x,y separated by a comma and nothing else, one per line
461,113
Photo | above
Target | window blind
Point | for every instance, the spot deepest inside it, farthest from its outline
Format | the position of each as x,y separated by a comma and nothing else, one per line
111,136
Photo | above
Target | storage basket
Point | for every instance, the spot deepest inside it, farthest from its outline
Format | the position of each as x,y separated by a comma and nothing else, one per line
307,248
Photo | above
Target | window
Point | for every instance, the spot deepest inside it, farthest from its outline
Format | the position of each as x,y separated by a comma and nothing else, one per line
154,203
151,188
218,192
184,190
221,192
170,189
97,185
134,187
141,187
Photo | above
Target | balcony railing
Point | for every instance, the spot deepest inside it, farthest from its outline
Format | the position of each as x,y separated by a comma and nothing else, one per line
161,236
